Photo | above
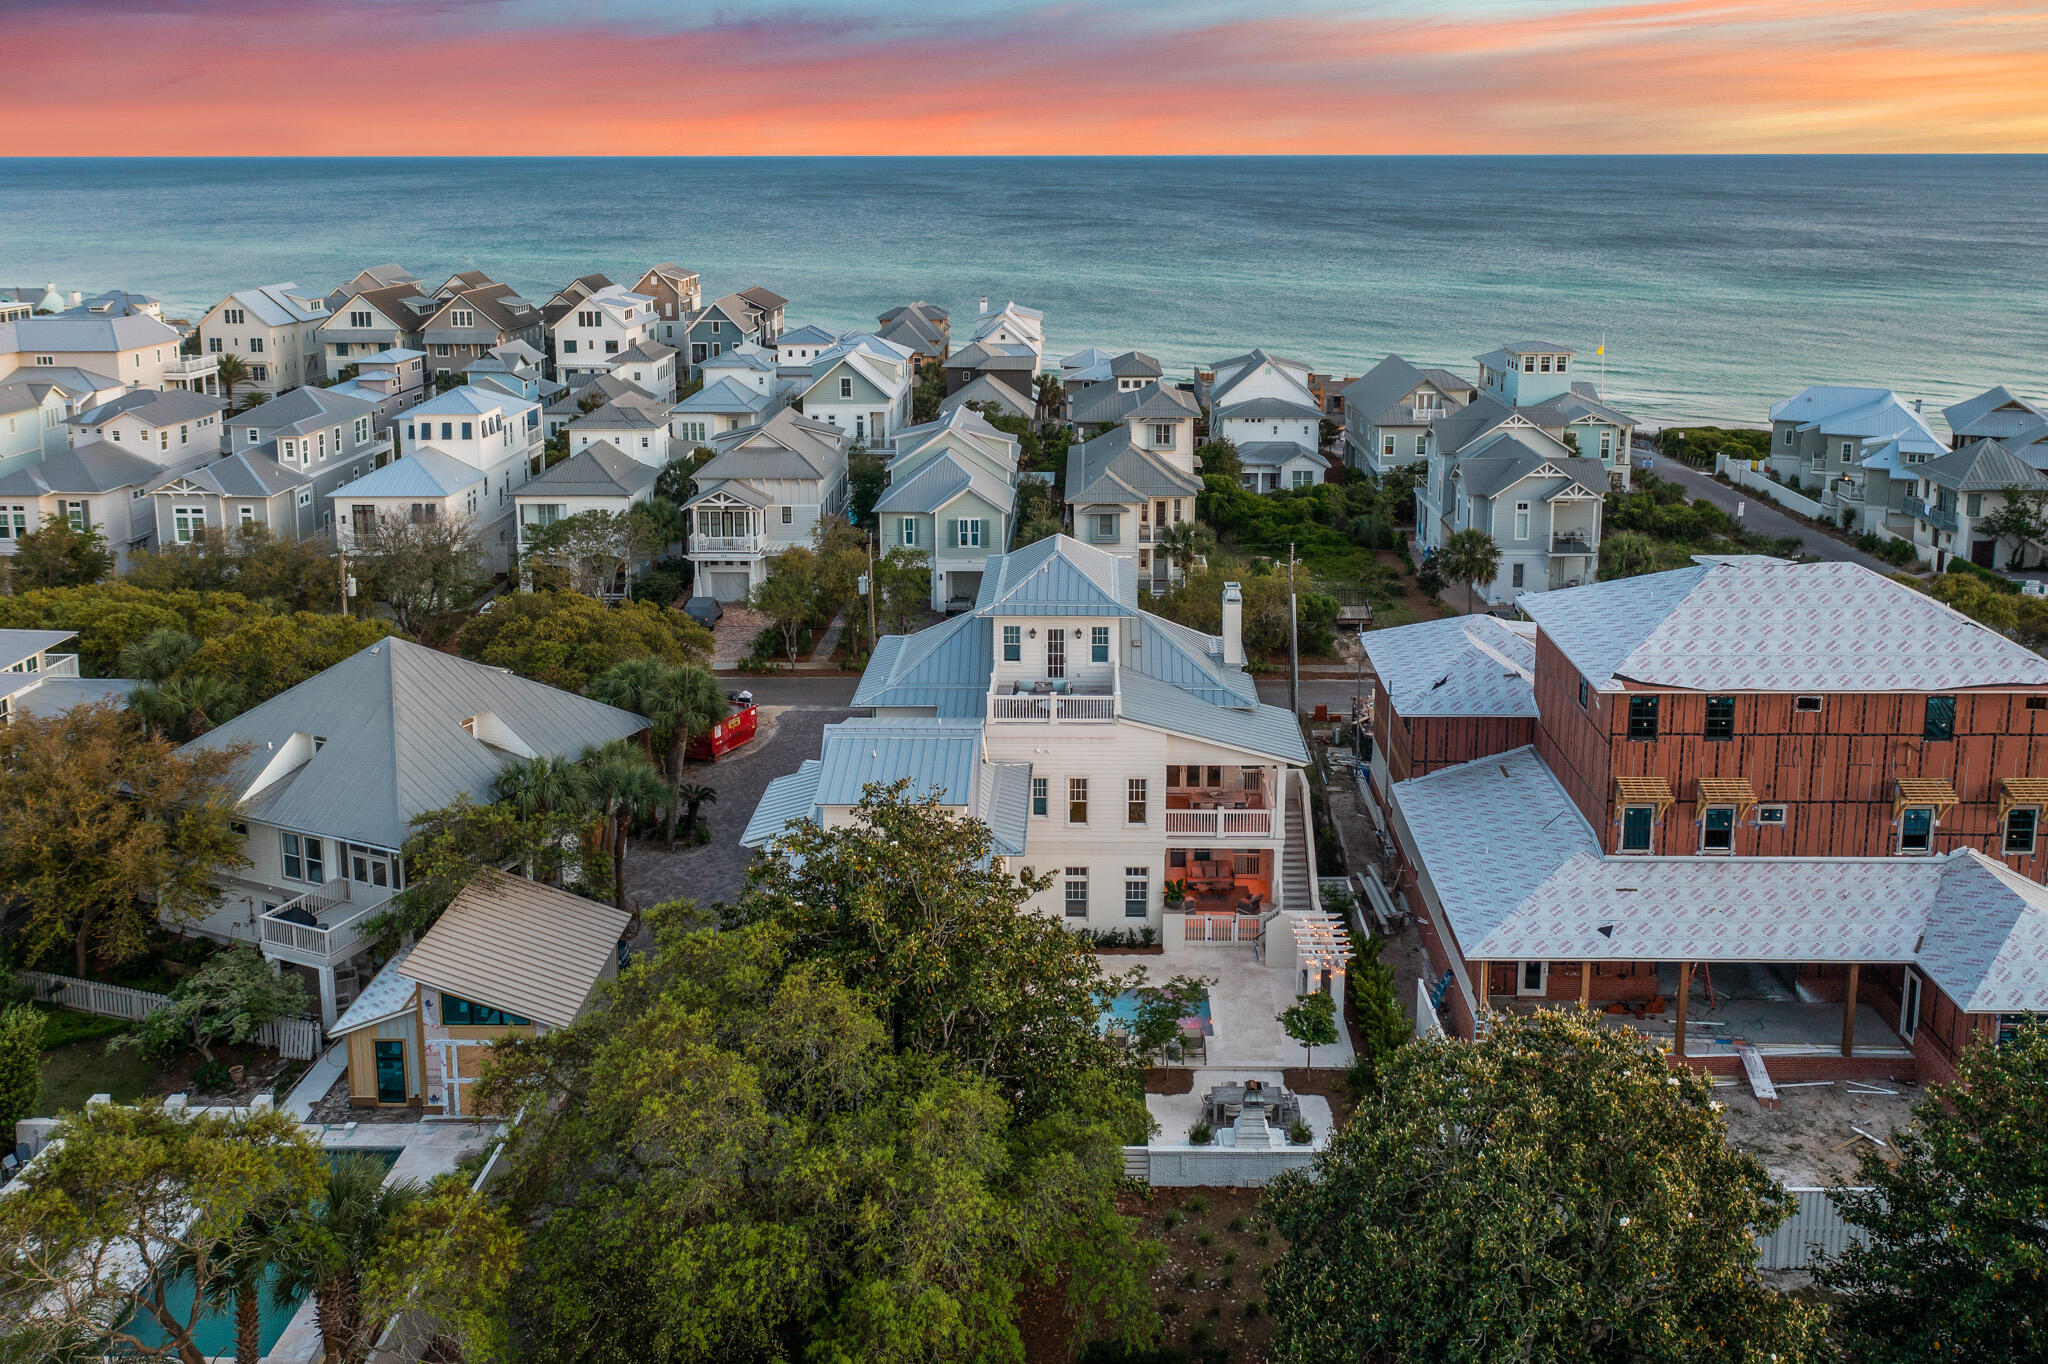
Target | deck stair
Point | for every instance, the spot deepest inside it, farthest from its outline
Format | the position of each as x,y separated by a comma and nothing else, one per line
1294,867
1759,1078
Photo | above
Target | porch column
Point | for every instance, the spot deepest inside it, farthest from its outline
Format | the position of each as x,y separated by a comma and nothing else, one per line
328,1012
1479,981
1849,1011
1585,985
1684,993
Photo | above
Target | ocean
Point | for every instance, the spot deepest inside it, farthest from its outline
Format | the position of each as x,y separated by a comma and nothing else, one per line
1719,284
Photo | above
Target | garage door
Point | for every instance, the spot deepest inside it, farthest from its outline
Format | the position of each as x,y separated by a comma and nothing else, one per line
729,586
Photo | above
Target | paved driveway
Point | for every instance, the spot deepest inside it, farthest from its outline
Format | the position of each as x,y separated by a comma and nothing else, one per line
1761,517
715,872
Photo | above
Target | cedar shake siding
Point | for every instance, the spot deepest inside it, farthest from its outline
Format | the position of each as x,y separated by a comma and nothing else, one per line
1835,769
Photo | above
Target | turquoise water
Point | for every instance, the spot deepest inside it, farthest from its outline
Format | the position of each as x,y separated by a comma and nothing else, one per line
215,1332
1125,1007
1720,283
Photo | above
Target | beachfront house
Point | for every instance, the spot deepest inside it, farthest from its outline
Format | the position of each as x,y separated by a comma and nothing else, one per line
1011,325
1137,478
1649,803
798,346
676,293
1999,414
509,957
333,773
925,329
765,490
1856,451
275,328
952,496
1101,744
598,327
97,351
371,321
474,317
1388,411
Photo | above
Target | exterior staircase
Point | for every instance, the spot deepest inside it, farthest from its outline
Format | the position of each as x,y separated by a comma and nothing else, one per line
1296,875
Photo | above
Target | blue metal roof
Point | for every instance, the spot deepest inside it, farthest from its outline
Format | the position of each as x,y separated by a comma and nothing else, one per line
426,472
941,754
1188,659
945,667
1270,731
1004,804
1058,576
789,799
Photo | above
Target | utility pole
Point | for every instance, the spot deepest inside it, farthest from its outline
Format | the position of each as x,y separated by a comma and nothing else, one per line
341,562
872,637
1293,640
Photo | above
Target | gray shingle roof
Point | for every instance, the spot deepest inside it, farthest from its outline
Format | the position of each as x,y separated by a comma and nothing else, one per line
392,716
1111,469
245,473
600,469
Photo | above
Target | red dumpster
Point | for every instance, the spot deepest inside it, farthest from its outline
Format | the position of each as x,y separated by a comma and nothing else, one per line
723,737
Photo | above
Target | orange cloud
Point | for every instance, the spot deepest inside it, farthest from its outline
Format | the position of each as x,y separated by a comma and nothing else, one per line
467,77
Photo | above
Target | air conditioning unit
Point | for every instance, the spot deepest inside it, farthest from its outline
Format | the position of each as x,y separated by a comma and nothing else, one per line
2032,588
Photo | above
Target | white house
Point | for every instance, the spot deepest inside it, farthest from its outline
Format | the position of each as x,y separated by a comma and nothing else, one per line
1137,478
765,490
133,349
462,455
600,326
372,321
1956,491
801,345
1102,745
1011,325
639,427
325,436
275,328
32,417
952,494
597,478
334,772
862,385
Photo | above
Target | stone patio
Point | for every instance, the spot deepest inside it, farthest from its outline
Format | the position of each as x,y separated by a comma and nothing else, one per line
1245,1002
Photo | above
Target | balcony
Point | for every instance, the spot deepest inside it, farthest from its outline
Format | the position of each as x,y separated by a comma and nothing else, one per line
1574,543
1935,515
725,544
1240,806
1145,534
322,927
1038,702
191,366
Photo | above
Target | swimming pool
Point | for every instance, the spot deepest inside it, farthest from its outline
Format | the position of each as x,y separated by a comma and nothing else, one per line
1124,1008
214,1332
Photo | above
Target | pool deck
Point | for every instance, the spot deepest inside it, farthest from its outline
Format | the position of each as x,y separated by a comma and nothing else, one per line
1245,1002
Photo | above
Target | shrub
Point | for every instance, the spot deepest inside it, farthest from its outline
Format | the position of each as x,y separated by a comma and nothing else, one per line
1205,1239
1997,580
212,1076
1201,1134
1237,1223
1255,1308
1300,1133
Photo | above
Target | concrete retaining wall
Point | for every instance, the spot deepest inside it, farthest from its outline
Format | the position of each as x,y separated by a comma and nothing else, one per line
1738,472
1216,1167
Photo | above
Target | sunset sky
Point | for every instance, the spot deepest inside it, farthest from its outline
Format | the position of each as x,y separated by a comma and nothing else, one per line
864,77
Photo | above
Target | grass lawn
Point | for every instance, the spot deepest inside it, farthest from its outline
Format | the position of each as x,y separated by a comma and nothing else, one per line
76,1071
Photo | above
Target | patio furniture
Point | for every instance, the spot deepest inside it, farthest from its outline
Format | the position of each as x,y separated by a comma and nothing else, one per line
1060,686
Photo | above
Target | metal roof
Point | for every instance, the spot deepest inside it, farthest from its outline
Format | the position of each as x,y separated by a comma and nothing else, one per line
944,667
1058,576
725,396
940,481
55,695
1758,624
17,646
1269,409
391,720
152,407
1474,666
983,389
1982,466
599,469
932,754
425,472
519,946
1269,731
1112,468
97,466
788,799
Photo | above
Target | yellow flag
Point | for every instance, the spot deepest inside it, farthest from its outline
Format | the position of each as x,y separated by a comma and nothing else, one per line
1602,350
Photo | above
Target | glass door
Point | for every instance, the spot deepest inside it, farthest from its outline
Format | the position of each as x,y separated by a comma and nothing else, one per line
1055,654
391,1072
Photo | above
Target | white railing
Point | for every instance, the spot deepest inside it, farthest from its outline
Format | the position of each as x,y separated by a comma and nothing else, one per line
297,1039
1221,823
1224,928
190,366
1053,709
58,665
322,944
704,544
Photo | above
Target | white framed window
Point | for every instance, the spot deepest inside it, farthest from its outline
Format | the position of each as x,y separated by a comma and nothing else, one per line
255,345
968,533
1301,478
1387,446
1137,892
1077,800
1717,829
1136,800
1532,979
186,523
1162,435
1077,892
359,319
1041,796
304,858
1521,520
909,524
1013,643
845,387
1770,816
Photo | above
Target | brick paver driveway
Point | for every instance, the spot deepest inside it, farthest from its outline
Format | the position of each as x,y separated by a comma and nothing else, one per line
714,872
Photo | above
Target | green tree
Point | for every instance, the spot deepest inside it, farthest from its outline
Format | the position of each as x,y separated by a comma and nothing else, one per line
158,655
104,1219
332,1241
620,786
1219,459
677,481
98,816
788,595
1312,1021
867,474
1471,557
1048,396
1160,1009
1039,513
21,1063
288,574
447,1262
110,616
184,707
1627,554
230,370
679,702
228,1000
564,639
538,825
273,654
1381,1027
1183,543
1552,1192
693,797
1953,1262
2020,517
593,552
421,569
61,555
902,583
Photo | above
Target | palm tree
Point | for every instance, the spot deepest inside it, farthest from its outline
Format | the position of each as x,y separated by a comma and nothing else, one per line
1470,557
231,371
183,708
538,785
158,654
618,784
1626,554
1182,544
1048,393
328,1245
694,796
679,702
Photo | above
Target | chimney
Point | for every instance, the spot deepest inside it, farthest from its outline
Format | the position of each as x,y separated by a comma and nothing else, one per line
78,297
984,305
1233,626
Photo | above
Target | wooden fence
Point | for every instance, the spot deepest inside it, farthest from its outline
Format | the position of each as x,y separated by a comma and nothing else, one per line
297,1039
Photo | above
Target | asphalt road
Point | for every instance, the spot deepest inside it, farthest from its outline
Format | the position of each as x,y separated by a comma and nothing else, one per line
1763,518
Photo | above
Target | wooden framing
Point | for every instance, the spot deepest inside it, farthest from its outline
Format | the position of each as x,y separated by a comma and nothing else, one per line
1644,791
1736,792
1936,791
2020,792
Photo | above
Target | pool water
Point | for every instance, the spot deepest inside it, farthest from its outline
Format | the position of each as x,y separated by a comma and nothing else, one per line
214,1332
1125,1008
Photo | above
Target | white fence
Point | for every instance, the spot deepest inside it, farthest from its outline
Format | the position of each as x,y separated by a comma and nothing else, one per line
1427,1024
1742,476
1817,1225
297,1039
1211,1167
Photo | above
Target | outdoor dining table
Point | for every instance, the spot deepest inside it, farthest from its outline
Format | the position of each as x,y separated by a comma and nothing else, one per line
1282,1106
